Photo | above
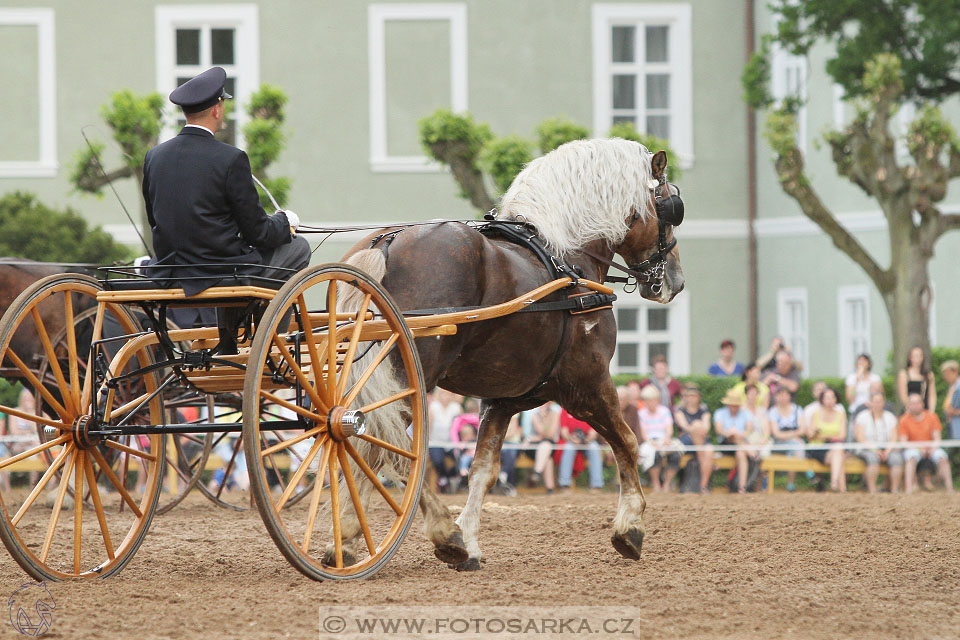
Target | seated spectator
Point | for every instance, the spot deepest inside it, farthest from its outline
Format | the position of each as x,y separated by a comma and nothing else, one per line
668,387
828,425
951,403
545,431
464,430
656,425
629,396
508,454
468,437
731,424
725,364
759,431
783,372
578,433
917,377
444,407
809,410
921,425
751,375
692,418
787,426
859,383
876,387
871,428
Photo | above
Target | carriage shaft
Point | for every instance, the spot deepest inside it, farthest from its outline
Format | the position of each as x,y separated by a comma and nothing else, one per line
208,427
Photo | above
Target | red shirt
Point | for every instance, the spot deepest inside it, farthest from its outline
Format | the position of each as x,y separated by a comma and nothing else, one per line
571,423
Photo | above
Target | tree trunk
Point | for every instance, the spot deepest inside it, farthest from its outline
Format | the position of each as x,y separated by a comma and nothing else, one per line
908,302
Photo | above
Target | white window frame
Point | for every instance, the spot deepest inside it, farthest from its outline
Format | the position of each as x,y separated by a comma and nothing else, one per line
786,297
45,166
677,335
782,63
846,357
243,18
377,17
678,18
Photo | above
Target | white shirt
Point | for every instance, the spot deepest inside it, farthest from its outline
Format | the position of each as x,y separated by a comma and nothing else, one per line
441,419
198,126
874,431
862,395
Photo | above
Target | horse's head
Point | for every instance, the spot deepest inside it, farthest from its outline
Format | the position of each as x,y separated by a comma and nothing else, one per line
650,248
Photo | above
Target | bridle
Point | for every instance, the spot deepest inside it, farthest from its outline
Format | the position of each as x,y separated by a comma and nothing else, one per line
650,272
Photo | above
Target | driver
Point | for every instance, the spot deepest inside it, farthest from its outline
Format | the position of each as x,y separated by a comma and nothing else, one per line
202,205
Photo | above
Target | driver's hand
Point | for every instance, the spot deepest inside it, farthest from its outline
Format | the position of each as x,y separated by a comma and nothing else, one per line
293,220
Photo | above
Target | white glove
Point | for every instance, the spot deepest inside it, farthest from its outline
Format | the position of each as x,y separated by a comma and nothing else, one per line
293,220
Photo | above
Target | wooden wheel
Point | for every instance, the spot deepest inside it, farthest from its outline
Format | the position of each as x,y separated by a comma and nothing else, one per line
360,402
49,532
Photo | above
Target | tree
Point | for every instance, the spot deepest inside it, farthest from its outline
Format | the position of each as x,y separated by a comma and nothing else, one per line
886,54
136,121
31,230
477,157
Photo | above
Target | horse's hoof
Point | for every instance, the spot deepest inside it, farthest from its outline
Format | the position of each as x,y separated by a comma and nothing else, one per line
470,564
330,558
628,544
452,550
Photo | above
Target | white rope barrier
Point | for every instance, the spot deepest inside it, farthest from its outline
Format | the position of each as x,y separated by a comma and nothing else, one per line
720,448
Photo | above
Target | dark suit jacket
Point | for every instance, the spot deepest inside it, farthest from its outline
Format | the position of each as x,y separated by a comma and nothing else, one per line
203,208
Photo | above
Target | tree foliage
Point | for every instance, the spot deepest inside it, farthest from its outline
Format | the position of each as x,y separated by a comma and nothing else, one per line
31,230
475,155
265,140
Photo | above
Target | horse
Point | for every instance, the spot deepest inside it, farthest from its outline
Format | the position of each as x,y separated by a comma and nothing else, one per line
587,200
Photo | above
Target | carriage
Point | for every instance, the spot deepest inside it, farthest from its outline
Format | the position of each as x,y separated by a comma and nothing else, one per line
316,384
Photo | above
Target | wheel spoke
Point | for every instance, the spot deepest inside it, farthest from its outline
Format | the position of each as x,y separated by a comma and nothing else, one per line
98,507
226,474
386,445
78,509
44,479
352,348
292,407
32,452
313,350
127,406
372,477
292,441
116,482
331,344
10,411
273,464
335,506
58,504
72,347
88,378
301,376
39,386
315,499
301,471
358,386
65,391
382,403
357,502
130,450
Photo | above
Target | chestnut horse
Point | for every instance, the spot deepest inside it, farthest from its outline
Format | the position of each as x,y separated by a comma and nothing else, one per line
588,200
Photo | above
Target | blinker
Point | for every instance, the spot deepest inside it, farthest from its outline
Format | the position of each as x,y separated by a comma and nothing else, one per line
670,210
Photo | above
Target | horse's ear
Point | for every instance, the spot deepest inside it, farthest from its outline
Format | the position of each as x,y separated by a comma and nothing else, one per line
659,164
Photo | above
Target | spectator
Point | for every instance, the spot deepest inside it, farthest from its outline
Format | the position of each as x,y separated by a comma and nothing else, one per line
668,388
809,410
751,375
876,387
917,377
787,426
783,372
577,433
828,425
444,407
546,428
731,424
25,428
468,437
656,425
508,454
872,427
919,424
951,403
462,432
766,360
725,364
859,384
693,420
629,396
759,431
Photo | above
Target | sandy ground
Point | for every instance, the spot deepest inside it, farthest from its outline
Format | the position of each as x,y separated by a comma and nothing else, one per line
755,566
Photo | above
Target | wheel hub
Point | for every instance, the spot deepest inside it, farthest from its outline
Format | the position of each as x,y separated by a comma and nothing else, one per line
80,429
344,424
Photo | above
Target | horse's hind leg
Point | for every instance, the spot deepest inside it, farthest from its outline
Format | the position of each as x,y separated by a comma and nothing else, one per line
602,412
440,529
494,419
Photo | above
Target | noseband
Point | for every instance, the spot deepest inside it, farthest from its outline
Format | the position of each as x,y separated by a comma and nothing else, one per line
651,271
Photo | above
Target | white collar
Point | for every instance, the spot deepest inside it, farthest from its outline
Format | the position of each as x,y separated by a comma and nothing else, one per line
198,126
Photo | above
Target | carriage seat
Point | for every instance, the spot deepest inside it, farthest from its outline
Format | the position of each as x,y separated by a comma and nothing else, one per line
135,284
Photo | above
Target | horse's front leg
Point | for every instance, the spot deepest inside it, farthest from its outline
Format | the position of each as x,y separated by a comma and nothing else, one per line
494,419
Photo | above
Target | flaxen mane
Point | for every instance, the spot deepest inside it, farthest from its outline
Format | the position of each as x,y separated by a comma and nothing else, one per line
581,191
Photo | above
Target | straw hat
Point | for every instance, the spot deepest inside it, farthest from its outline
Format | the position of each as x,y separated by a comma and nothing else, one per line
733,397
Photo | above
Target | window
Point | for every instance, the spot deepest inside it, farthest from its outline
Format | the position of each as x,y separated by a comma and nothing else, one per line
789,77
191,39
647,329
853,304
792,323
642,71
29,124
424,42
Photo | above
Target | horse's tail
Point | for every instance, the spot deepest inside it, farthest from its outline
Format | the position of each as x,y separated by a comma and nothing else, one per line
390,421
